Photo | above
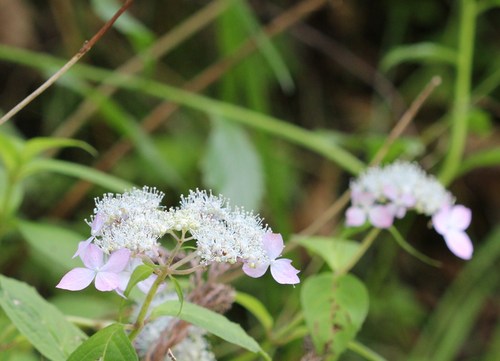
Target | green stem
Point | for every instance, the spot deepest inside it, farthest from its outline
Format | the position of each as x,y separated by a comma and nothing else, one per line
462,94
365,244
139,323
364,351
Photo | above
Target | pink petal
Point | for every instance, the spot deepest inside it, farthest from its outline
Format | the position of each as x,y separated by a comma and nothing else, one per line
460,217
107,281
440,220
361,198
255,272
459,243
93,257
355,217
283,272
381,216
76,279
117,261
97,224
82,247
273,245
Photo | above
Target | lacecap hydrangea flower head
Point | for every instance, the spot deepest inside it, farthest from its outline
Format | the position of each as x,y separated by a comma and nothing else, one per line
381,194
126,227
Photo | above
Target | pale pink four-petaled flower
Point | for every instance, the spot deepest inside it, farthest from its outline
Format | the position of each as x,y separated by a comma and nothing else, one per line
281,269
451,223
107,274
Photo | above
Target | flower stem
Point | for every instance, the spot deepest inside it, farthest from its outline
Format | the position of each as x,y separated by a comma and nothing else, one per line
462,95
365,244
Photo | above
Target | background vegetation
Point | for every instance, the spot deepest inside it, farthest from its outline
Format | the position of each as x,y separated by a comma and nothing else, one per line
276,105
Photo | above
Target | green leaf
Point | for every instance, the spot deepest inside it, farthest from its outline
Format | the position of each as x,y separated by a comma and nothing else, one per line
232,166
178,290
140,274
39,321
10,148
210,321
256,307
35,146
422,52
336,252
44,238
109,344
334,309
78,171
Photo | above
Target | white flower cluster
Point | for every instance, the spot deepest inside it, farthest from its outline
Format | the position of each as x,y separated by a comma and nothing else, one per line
133,220
223,233
403,183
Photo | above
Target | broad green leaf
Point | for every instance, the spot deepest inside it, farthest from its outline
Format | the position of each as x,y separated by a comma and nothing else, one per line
78,171
109,344
210,321
35,146
256,307
44,238
422,52
39,321
334,309
337,253
140,274
232,165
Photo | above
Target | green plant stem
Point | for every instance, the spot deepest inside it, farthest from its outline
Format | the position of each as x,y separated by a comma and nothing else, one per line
139,323
462,94
364,351
365,244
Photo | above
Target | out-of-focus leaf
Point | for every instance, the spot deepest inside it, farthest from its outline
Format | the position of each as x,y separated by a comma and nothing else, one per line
109,344
256,307
35,146
232,166
10,149
334,309
337,253
210,321
480,122
39,321
420,53
44,238
78,171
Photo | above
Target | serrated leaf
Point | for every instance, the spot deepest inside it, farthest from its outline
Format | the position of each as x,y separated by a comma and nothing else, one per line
210,321
39,321
336,252
109,344
334,309
232,166
256,307
44,238
140,274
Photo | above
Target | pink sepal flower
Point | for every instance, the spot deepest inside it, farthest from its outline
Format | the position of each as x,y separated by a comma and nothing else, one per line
364,207
281,269
451,222
106,275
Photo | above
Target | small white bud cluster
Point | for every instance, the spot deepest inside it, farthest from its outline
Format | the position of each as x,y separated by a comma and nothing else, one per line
404,179
133,220
223,233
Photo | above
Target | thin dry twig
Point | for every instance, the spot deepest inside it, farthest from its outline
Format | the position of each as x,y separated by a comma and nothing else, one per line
87,45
